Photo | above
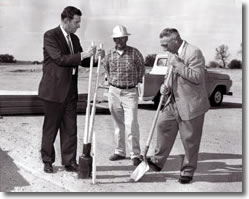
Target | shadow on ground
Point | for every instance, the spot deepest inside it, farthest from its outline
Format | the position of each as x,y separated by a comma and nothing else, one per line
224,105
228,105
212,167
147,107
9,175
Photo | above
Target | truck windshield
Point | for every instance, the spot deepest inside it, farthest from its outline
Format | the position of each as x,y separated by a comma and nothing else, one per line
162,62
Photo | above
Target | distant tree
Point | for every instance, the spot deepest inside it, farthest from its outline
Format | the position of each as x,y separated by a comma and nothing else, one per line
37,62
213,64
235,64
222,55
6,58
240,52
150,59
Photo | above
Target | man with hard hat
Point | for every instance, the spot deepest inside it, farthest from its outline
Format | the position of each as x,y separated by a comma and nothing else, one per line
124,66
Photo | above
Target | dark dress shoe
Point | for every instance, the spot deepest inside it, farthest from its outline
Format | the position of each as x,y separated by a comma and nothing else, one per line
153,166
72,167
48,168
185,179
136,161
115,157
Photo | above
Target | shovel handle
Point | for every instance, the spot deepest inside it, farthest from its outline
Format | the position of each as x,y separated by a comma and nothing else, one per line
86,132
154,122
94,160
168,74
94,100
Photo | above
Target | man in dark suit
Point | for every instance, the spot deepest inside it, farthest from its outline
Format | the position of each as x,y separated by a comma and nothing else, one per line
186,106
58,88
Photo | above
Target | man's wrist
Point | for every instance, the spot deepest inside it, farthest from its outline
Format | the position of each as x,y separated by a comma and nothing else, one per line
83,55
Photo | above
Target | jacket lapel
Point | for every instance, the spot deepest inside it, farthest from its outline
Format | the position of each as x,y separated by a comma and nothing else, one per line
182,55
63,41
76,45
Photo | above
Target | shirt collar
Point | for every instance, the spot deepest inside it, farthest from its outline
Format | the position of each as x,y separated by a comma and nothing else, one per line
64,32
181,47
114,50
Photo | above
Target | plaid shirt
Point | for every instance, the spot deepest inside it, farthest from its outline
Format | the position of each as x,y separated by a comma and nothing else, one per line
126,69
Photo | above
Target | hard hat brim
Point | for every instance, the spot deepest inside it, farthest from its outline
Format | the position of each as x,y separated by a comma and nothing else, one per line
118,36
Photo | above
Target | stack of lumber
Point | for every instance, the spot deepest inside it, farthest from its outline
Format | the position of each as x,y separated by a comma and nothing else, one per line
27,102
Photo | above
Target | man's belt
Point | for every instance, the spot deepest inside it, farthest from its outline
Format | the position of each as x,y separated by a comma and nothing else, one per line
123,87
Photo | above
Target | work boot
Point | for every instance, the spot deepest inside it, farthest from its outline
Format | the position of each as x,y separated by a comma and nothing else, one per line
115,157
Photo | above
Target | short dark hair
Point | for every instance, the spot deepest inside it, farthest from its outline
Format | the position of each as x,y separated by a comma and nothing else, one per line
69,12
168,32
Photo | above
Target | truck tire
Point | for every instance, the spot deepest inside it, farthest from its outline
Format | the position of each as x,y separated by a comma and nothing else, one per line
216,97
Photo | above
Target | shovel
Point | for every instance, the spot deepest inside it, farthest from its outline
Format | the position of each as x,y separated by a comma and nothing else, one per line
143,167
91,133
85,160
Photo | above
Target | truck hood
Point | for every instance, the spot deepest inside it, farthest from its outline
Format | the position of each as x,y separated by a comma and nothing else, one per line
216,75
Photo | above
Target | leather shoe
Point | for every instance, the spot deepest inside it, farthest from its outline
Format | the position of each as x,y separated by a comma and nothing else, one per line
48,168
153,166
136,161
72,167
185,179
115,157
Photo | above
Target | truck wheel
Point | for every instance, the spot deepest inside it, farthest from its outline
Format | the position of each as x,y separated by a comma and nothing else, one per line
216,97
157,100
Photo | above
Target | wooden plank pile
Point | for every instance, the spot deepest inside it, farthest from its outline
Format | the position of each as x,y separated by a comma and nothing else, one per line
27,102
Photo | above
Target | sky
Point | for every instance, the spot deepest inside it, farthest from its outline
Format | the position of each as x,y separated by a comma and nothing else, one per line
203,23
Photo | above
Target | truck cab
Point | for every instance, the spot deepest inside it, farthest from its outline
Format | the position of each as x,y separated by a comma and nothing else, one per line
218,84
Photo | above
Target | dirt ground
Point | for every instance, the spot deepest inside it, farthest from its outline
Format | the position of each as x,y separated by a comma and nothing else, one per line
21,169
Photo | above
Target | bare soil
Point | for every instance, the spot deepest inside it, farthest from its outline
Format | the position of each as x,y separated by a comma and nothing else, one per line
21,169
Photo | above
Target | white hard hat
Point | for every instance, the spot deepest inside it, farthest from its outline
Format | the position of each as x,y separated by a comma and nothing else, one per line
119,31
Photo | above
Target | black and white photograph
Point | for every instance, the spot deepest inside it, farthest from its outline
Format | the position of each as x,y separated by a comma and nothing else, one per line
121,96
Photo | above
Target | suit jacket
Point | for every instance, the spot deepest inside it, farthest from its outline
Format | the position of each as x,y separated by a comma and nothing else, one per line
188,84
58,65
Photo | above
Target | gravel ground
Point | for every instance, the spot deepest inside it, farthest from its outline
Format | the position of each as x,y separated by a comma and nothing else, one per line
219,166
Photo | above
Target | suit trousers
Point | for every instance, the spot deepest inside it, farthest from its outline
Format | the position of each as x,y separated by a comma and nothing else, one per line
169,122
63,117
123,105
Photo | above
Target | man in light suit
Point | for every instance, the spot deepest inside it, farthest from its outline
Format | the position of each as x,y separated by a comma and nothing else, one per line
58,88
186,106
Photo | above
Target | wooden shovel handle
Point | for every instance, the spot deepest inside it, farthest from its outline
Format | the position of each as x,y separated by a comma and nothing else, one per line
94,100
154,122
157,113
86,132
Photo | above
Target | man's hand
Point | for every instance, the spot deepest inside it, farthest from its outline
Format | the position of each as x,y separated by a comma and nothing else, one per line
90,52
176,62
164,90
101,53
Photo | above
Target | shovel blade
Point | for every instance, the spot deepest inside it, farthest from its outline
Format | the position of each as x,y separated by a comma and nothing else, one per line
139,172
85,162
85,167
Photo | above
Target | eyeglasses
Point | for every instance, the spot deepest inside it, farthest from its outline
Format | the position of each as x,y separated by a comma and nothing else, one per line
164,45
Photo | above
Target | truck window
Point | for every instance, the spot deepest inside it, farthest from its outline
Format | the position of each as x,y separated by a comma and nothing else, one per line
162,62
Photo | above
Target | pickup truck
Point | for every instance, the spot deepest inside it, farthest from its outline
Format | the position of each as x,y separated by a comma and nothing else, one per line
217,84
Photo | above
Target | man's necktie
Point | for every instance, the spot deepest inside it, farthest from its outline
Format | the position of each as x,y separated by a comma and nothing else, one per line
70,44
71,49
